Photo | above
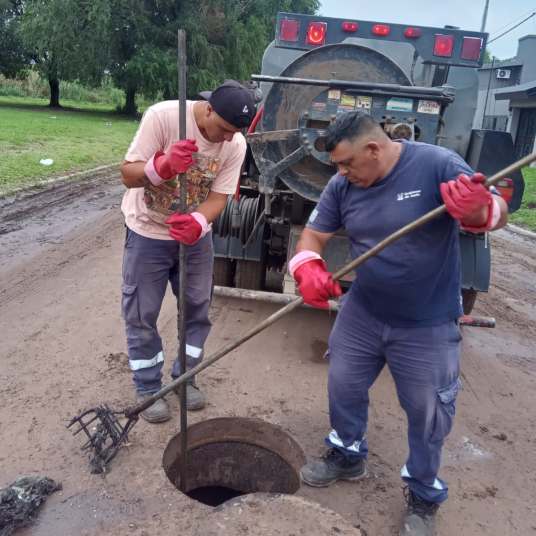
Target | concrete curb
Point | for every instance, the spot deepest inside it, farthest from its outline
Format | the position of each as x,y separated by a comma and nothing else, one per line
520,231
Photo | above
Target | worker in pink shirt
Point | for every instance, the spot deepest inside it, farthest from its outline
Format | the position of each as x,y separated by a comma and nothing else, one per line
211,157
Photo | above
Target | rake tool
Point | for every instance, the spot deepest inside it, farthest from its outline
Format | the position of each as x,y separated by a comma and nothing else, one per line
107,435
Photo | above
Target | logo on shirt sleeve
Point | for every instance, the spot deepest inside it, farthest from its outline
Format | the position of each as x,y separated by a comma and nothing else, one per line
408,195
313,216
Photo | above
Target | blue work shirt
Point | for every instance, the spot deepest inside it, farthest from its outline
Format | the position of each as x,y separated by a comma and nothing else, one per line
417,279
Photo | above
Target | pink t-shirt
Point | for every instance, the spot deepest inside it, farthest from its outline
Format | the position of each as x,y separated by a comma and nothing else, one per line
158,129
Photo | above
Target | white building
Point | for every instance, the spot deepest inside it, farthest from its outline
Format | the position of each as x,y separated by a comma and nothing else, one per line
507,96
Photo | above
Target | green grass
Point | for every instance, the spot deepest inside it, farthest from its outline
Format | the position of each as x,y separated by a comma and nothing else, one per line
78,138
526,215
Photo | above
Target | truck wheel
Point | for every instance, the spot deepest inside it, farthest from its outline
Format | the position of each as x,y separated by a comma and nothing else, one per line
468,300
250,275
223,272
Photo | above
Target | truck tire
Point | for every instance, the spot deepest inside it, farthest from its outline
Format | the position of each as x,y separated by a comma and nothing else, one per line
250,275
223,272
468,300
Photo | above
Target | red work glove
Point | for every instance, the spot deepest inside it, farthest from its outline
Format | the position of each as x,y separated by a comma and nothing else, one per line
188,228
466,196
314,282
177,159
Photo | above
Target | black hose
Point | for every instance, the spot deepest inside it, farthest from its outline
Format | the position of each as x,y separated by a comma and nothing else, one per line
248,209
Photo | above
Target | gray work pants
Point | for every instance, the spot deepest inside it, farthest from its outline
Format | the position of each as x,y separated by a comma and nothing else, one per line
148,266
424,363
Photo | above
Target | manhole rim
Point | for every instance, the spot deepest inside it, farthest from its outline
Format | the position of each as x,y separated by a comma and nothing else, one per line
280,442
249,432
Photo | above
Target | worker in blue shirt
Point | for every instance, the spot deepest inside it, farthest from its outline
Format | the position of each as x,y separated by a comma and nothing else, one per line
403,307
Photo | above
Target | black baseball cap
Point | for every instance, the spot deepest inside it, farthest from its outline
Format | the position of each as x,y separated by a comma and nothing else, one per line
232,102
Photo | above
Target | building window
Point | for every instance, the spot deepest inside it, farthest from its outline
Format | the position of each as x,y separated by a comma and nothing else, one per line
495,122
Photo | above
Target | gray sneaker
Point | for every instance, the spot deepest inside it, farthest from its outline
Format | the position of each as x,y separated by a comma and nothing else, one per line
420,516
195,398
331,467
157,412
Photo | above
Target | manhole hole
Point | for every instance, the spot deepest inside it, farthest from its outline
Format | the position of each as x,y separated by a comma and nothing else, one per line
233,456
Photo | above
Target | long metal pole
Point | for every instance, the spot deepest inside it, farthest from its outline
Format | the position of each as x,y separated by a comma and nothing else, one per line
494,179
181,319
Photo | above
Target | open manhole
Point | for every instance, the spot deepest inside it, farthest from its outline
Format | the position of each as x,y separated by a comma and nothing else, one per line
233,456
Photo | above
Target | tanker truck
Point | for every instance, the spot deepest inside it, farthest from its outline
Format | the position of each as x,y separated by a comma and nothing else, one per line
419,83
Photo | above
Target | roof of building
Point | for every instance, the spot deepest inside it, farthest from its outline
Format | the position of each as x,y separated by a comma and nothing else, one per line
518,92
502,64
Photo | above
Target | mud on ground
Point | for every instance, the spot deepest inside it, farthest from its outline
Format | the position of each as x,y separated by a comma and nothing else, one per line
63,350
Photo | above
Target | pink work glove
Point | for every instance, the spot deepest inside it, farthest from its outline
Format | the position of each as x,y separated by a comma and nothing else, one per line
188,228
466,196
177,159
315,283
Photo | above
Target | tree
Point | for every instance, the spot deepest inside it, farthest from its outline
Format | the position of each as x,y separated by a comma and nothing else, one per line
225,39
13,57
143,48
67,39
232,39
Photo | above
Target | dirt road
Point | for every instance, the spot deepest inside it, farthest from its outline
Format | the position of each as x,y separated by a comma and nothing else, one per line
62,349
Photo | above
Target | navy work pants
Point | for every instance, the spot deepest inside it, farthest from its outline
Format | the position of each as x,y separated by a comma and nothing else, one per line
424,363
148,266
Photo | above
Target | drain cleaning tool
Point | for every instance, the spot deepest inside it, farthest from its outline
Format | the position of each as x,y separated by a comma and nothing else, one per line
101,425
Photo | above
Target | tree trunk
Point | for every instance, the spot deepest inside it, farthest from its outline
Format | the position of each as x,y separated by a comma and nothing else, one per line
54,84
130,102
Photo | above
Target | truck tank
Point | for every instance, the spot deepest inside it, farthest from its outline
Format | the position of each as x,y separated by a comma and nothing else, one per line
308,108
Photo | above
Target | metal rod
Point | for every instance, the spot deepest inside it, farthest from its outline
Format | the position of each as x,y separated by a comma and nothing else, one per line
284,298
181,319
477,321
277,298
260,219
417,90
298,301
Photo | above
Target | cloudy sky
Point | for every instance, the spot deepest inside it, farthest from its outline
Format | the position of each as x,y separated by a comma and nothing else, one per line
467,14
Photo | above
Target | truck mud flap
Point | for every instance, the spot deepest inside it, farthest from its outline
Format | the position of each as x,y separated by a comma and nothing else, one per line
476,261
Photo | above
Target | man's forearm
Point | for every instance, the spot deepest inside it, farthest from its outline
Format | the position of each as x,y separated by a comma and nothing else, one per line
133,174
310,241
503,220
213,206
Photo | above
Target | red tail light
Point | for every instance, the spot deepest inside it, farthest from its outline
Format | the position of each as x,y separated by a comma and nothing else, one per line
381,29
506,189
412,33
350,27
289,30
443,45
316,33
471,48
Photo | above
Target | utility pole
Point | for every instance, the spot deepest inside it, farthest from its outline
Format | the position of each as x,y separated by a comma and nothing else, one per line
484,16
482,29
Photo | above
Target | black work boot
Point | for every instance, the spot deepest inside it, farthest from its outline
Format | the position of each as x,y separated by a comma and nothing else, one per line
157,412
420,516
333,466
195,398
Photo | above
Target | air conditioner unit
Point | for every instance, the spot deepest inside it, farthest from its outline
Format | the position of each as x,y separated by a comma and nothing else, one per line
503,73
